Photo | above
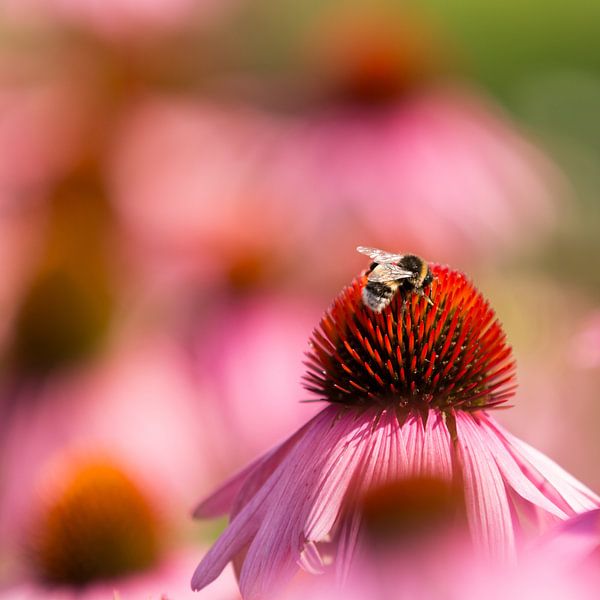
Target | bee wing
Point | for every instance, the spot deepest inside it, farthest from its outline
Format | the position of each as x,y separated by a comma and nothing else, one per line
388,272
379,256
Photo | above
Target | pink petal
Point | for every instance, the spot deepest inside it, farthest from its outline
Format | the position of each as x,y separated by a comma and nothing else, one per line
310,559
437,451
413,441
347,544
231,542
488,509
574,540
315,477
510,469
379,464
564,490
239,535
244,484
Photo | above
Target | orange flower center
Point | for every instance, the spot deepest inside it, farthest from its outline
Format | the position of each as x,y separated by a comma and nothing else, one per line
98,526
405,510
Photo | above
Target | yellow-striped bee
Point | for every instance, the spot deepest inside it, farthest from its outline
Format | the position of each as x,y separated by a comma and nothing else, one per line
390,272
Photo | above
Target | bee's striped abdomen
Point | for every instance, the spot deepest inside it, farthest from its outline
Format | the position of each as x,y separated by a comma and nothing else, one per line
378,295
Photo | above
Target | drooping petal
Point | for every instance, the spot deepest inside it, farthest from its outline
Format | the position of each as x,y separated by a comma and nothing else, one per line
311,560
510,469
241,487
315,477
375,467
488,508
231,542
239,535
565,491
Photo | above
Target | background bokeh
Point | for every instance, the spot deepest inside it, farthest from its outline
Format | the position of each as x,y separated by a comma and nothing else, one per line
182,187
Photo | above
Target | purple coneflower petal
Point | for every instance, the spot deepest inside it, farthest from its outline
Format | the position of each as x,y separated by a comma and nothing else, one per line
314,479
564,490
511,471
488,509
246,482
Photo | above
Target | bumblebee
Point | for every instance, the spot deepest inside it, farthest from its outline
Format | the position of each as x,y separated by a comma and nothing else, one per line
390,272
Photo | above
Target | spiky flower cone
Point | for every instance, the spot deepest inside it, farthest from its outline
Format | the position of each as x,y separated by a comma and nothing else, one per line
408,392
413,355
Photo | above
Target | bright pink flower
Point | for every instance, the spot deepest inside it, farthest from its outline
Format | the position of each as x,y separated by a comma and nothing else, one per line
409,391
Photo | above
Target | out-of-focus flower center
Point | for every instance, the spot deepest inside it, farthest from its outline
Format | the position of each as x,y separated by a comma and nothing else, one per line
408,510
452,354
373,57
98,526
67,308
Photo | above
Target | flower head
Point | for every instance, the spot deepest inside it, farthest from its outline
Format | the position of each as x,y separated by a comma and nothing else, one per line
408,391
451,354
98,531
96,526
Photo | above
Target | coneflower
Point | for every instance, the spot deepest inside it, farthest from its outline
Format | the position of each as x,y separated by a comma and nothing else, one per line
409,392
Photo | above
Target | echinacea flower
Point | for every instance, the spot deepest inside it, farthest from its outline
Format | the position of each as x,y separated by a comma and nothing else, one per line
388,128
98,533
409,392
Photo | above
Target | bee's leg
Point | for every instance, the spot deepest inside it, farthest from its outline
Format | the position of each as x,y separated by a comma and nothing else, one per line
421,293
402,308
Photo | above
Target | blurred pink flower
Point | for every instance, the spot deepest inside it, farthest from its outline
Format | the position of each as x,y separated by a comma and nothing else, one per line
38,105
189,184
414,549
32,117
116,18
254,346
452,573
408,391
442,169
574,543
96,532
585,344
139,405
168,581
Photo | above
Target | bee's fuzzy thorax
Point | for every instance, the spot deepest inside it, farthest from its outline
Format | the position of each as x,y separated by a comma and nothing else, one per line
412,355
